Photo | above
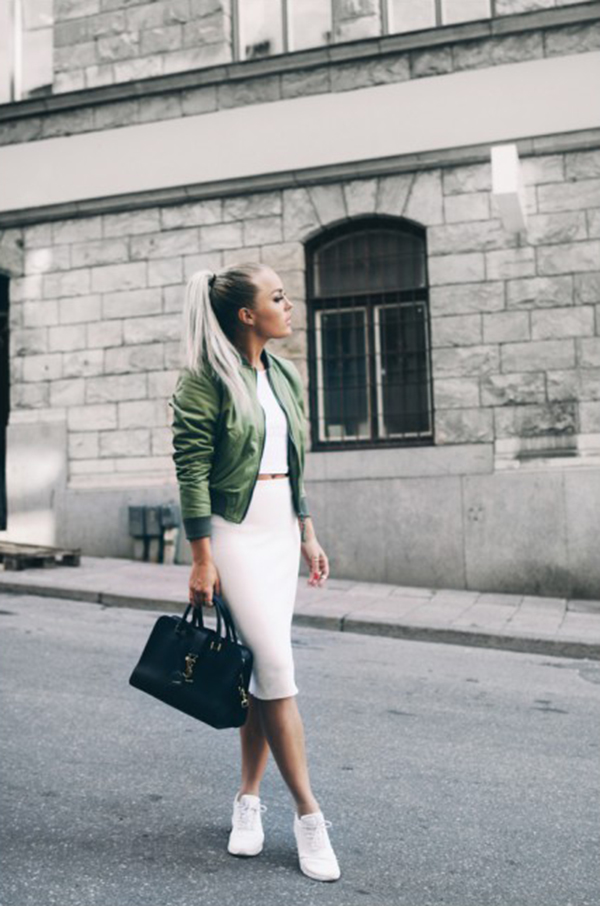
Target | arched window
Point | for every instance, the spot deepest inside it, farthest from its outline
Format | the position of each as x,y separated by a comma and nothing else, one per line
368,335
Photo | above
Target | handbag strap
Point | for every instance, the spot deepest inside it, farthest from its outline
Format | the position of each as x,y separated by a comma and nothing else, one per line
227,618
198,619
224,618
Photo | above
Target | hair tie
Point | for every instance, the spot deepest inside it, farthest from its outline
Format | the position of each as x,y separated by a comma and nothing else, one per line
211,280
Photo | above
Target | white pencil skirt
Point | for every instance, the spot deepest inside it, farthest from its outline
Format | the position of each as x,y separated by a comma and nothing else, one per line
258,561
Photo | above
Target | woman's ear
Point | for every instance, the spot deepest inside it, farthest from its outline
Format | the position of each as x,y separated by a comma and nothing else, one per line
245,316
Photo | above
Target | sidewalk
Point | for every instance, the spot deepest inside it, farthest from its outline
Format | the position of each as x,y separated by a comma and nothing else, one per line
556,626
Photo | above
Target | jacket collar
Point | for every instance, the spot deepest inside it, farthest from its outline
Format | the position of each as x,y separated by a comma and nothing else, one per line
265,358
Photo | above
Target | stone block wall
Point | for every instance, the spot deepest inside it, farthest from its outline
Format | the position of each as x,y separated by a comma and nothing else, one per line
515,319
95,319
101,42
105,42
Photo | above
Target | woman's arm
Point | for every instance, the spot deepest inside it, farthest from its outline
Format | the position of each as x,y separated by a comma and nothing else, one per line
196,407
307,529
201,550
204,576
313,553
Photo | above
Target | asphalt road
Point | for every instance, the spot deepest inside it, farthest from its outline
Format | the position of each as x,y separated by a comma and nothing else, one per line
452,775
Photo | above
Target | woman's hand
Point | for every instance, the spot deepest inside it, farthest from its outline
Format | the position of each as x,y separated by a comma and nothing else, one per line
317,561
203,579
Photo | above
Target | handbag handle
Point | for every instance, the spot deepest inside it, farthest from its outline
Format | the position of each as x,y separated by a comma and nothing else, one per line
197,619
223,617
227,618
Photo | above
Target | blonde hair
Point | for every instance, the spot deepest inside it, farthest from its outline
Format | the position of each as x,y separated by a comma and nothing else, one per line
209,323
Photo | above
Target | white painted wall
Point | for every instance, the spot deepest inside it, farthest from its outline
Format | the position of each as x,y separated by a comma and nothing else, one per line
502,103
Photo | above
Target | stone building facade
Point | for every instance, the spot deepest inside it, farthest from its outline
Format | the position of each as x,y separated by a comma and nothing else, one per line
98,236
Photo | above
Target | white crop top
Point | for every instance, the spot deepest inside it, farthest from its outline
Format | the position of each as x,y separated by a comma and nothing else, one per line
275,453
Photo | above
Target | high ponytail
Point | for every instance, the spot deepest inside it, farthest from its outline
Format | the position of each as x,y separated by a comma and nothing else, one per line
209,321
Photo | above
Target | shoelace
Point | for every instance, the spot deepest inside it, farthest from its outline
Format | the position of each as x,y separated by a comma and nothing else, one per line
317,835
247,813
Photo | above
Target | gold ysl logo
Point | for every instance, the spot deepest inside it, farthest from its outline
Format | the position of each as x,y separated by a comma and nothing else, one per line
190,663
245,702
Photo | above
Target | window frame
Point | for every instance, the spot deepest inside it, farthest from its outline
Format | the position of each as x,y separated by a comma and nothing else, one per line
316,304
380,413
319,363
386,17
16,56
285,28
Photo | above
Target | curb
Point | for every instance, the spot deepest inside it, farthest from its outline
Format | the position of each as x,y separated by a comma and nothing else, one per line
526,644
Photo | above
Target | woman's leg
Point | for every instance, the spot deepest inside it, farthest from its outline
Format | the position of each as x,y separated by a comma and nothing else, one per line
284,732
255,750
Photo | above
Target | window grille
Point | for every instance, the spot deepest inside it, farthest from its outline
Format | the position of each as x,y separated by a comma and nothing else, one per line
368,335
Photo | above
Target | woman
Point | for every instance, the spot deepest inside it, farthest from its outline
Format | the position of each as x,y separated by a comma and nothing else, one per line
238,437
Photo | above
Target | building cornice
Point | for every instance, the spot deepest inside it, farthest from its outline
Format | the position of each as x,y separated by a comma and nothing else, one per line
448,157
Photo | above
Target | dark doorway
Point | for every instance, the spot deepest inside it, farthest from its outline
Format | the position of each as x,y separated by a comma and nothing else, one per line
4,395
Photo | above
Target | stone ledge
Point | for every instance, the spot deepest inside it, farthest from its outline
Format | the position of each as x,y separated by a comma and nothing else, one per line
551,453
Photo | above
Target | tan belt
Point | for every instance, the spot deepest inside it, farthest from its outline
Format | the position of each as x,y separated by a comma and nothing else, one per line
270,475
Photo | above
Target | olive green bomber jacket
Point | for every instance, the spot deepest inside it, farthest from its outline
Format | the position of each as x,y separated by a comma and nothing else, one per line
217,457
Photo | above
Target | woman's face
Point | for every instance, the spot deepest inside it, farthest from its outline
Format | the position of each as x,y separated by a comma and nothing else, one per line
272,312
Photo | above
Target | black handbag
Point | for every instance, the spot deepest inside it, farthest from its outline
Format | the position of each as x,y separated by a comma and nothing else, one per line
203,672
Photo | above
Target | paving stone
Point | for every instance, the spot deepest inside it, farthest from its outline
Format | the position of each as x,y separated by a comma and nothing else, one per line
411,591
535,622
577,605
440,614
485,616
530,602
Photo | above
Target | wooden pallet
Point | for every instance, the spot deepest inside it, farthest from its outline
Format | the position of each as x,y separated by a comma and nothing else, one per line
24,556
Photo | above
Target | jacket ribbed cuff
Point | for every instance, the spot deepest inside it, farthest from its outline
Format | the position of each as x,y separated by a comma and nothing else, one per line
197,527
304,511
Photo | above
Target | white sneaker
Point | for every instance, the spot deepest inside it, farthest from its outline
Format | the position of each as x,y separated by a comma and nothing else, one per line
317,858
247,835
